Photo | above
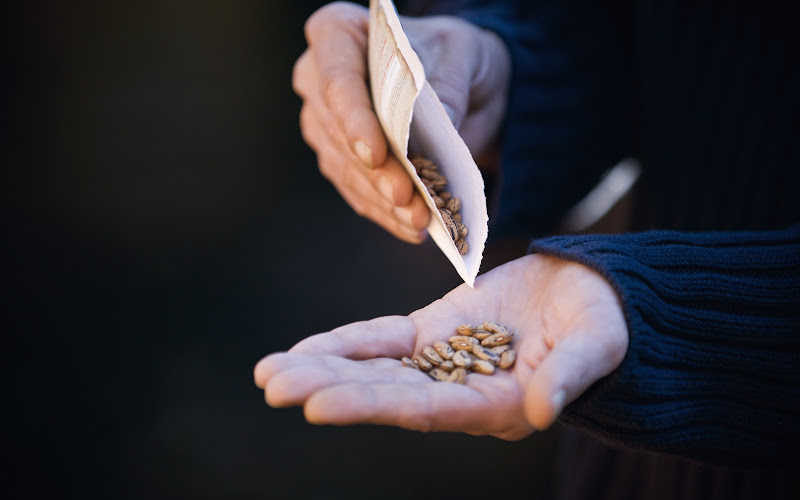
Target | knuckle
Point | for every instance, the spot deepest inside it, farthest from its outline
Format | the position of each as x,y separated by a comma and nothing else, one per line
348,176
305,120
307,127
326,168
323,17
304,116
335,84
298,81
359,118
359,207
315,23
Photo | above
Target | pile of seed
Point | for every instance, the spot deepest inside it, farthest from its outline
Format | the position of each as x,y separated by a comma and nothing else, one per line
449,206
474,348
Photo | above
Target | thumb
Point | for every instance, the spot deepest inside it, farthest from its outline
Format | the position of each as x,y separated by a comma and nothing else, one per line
452,88
576,363
467,67
456,117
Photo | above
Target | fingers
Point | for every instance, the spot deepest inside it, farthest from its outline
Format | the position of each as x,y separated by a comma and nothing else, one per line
382,216
392,181
469,68
372,388
337,37
389,176
320,131
425,406
361,188
290,378
488,95
575,363
337,121
416,214
388,336
385,337
340,391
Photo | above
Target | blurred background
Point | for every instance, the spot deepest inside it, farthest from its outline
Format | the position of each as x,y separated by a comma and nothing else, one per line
166,228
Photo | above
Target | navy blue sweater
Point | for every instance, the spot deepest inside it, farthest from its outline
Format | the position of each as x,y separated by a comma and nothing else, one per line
707,98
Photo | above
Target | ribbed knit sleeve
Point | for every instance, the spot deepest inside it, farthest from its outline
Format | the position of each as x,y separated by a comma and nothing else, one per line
568,117
712,371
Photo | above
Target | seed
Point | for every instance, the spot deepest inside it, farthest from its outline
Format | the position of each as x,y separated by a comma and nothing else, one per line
422,162
454,204
444,349
500,349
496,339
422,363
465,330
449,206
429,173
482,366
431,355
494,327
485,354
481,334
462,343
449,223
458,376
452,361
463,359
439,374
406,361
507,359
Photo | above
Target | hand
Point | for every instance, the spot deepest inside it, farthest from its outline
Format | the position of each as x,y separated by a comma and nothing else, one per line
569,332
468,67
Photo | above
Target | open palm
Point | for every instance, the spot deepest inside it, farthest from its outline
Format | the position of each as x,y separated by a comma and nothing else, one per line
569,332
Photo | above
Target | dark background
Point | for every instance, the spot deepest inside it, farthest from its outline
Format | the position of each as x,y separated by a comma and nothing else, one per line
166,228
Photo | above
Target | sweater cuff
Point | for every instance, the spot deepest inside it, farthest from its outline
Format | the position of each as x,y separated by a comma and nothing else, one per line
600,408
710,372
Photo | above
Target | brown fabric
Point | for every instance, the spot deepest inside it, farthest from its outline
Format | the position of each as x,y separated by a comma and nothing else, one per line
586,468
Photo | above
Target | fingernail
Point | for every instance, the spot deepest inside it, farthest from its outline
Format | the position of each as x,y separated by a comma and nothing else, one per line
558,401
386,188
364,153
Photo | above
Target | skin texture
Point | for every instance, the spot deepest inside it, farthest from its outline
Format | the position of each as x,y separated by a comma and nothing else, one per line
569,332
468,67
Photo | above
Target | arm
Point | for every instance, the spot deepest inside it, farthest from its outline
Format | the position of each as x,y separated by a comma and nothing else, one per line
713,367
711,372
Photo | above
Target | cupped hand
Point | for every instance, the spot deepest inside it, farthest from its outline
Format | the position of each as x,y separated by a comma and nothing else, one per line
468,67
569,332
